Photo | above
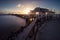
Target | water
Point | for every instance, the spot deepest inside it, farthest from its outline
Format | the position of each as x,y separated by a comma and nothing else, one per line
9,23
9,19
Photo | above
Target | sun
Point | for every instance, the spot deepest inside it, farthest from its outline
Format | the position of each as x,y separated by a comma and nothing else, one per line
26,11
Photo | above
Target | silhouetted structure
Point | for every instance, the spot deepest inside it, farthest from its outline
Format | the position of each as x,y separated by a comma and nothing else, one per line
43,12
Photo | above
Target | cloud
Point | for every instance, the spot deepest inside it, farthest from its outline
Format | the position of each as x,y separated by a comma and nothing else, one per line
18,6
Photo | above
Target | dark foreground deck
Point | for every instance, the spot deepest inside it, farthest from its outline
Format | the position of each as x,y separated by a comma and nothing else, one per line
50,30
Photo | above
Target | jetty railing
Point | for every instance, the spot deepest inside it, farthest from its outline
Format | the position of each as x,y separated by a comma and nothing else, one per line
31,31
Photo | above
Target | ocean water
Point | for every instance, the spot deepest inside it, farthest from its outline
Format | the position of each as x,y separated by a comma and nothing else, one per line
9,23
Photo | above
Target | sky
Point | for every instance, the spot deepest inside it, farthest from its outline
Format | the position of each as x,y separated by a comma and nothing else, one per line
21,5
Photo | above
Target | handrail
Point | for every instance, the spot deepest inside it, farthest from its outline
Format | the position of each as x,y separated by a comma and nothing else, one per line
26,31
24,35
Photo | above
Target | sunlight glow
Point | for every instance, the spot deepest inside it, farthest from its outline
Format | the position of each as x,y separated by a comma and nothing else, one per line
27,10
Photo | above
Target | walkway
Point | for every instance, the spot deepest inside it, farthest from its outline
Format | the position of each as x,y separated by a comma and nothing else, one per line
49,31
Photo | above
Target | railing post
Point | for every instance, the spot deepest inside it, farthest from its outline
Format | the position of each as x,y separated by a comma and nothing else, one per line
36,29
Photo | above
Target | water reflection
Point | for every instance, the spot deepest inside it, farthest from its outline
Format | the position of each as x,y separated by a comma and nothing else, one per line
9,23
6,20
